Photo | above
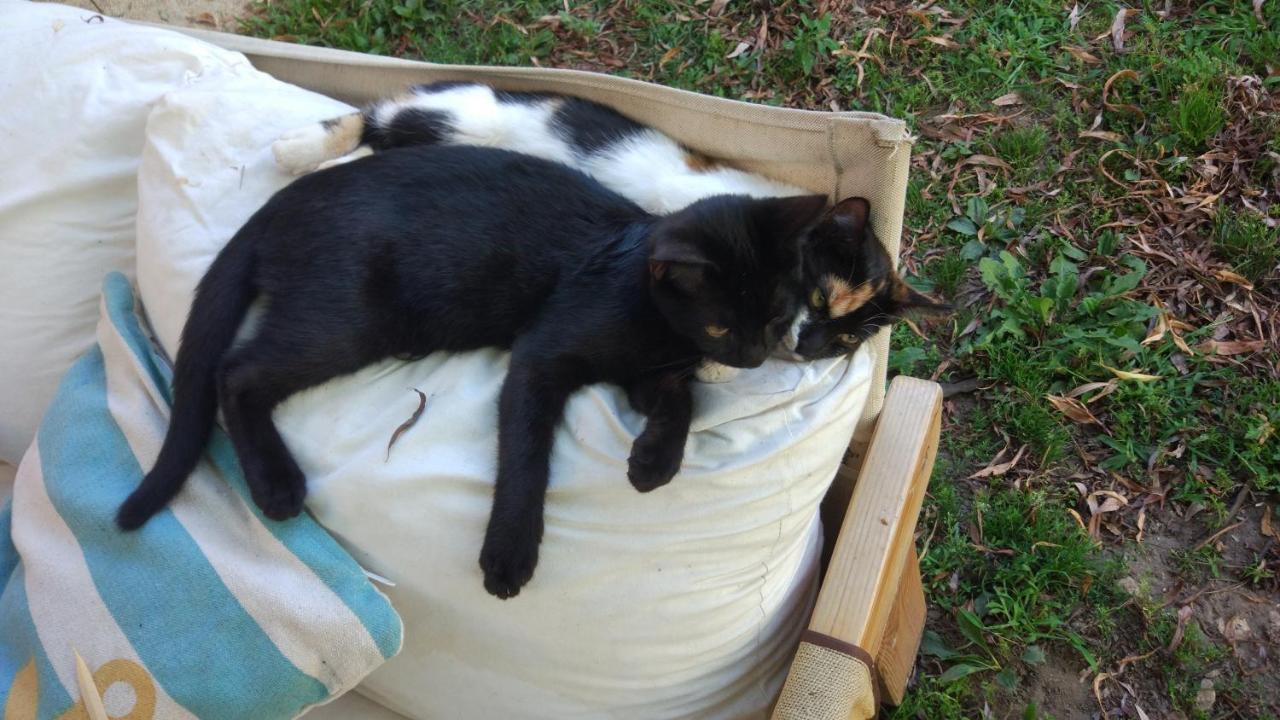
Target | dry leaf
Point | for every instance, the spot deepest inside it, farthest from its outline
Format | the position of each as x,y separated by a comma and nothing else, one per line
1230,277
994,469
205,18
1083,55
1142,525
1101,135
1157,332
1074,18
1090,387
1230,347
668,56
1117,28
1266,528
404,426
1184,614
1074,410
942,40
985,160
1079,520
717,7
1106,92
741,48
1012,98
1257,11
1126,375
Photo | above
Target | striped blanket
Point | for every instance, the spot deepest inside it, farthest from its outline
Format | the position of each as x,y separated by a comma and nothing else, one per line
210,611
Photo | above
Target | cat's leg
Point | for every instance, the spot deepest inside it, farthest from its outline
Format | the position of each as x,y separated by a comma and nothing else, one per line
659,449
302,150
253,380
529,409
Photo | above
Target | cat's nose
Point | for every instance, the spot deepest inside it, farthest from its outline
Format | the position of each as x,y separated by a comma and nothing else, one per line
809,344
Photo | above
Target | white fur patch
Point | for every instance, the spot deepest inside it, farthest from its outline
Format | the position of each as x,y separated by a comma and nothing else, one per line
713,372
480,119
792,340
362,151
650,169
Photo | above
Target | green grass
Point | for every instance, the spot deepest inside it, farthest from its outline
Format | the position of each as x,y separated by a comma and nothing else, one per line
1055,293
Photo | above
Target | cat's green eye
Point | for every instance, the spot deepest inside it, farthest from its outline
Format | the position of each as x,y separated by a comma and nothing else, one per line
815,299
848,339
716,331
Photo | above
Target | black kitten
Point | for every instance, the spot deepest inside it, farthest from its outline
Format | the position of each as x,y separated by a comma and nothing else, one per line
458,248
853,290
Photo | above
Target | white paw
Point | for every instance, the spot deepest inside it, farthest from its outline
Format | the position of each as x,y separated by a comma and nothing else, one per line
714,372
362,151
302,150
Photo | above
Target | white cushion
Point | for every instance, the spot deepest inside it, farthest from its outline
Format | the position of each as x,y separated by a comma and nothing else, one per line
685,602
75,91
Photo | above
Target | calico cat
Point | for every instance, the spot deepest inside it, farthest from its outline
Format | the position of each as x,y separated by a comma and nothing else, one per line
851,288
457,248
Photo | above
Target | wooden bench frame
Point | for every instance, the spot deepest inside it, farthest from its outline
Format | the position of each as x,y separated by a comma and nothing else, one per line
871,595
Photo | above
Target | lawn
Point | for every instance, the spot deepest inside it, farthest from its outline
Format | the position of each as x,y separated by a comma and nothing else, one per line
1098,188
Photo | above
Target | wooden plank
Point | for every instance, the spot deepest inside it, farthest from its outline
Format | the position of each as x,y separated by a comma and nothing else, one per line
901,638
861,584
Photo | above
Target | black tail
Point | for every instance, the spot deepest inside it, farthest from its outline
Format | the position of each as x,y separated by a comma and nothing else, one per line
221,301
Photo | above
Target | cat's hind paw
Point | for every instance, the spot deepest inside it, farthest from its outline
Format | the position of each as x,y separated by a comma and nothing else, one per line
713,372
302,150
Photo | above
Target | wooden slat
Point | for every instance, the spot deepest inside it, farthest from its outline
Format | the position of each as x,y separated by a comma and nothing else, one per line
861,584
901,638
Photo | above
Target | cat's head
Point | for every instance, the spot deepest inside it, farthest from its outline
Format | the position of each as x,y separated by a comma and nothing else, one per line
851,289
726,272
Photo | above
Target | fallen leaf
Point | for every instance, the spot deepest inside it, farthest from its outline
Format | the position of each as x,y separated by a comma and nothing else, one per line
1090,387
741,48
1079,520
1142,524
1012,98
1127,375
1083,55
1074,18
987,160
717,7
668,56
1101,135
1074,409
1230,277
1184,614
404,426
1157,332
943,41
206,18
995,469
1230,347
1266,528
1257,11
1106,93
1117,28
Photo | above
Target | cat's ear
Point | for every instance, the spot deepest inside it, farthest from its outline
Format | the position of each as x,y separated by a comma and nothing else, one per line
679,263
905,298
852,214
787,217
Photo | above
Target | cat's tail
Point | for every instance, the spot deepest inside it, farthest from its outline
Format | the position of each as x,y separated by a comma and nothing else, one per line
221,301
318,145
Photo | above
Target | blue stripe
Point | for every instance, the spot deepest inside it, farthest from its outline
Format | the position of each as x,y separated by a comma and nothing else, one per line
21,644
302,536
8,553
187,628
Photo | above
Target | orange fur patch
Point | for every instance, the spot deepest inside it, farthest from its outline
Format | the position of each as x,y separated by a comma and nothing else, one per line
699,163
842,298
343,134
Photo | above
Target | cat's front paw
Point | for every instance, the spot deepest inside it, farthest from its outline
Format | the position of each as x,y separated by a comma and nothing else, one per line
508,560
654,461
713,372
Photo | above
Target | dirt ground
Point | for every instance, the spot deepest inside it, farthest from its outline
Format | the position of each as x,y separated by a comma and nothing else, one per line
209,14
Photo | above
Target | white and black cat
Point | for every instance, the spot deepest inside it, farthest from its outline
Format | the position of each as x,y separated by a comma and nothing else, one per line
851,288
457,248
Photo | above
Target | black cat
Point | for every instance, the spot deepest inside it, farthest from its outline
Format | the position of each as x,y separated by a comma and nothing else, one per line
457,248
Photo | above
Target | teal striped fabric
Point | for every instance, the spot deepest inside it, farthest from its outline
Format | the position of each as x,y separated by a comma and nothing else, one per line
209,611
